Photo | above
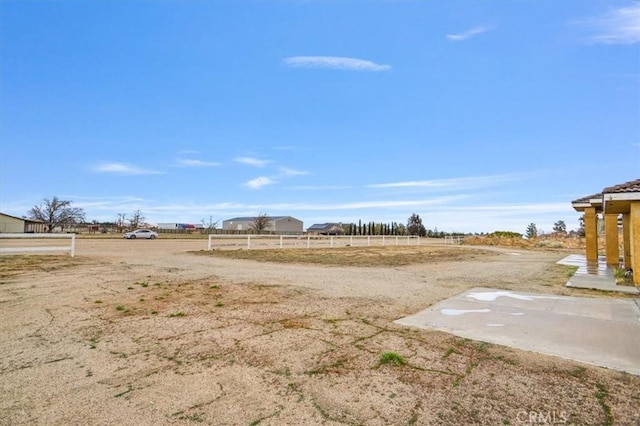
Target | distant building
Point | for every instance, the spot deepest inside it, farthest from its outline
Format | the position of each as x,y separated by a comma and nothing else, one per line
12,224
326,229
277,224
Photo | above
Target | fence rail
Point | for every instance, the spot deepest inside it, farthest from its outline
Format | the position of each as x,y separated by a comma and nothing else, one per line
308,241
453,239
26,249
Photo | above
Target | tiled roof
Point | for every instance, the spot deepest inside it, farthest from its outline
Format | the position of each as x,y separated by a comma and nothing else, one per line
586,199
631,186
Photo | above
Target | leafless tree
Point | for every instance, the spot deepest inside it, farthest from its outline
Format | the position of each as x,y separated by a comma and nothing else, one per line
56,213
122,218
209,224
260,223
136,220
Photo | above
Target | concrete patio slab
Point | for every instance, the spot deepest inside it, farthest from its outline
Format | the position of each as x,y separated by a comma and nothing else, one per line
602,332
594,275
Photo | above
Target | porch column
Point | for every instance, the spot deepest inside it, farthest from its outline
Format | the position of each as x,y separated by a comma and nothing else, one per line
634,220
591,233
611,238
626,240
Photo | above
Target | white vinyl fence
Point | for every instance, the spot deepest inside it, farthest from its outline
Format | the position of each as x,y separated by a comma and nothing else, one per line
451,239
308,241
42,244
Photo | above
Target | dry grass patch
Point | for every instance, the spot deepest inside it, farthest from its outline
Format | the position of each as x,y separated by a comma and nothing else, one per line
15,265
354,256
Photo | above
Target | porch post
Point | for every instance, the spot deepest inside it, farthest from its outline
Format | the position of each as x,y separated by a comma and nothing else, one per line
591,233
634,220
611,239
626,240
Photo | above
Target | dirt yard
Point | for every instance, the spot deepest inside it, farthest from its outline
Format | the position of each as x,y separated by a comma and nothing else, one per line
153,332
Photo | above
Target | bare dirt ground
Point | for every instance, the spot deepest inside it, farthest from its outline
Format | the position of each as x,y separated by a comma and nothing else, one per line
148,332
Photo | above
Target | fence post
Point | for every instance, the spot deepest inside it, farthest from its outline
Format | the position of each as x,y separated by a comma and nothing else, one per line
248,242
368,240
73,244
280,241
308,241
209,245
396,240
331,242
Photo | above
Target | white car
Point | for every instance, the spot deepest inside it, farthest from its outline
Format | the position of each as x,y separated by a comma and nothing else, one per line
141,233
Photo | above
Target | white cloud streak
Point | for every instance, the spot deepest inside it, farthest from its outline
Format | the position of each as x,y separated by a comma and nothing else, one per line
619,26
335,63
259,182
124,169
292,172
467,34
450,184
195,163
251,161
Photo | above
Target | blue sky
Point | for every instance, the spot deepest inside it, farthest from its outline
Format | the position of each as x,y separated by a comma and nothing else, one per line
477,115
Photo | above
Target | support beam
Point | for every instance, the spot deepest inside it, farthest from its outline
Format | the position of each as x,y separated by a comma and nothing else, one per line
591,233
634,220
611,239
626,240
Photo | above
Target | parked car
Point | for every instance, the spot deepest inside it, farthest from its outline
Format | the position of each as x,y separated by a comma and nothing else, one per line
141,233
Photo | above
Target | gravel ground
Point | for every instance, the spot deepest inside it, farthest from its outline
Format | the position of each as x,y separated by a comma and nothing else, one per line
144,332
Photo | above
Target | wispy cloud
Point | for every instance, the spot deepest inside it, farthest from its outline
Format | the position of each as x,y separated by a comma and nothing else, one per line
287,172
453,184
195,163
335,62
467,34
124,169
251,161
318,187
259,182
618,26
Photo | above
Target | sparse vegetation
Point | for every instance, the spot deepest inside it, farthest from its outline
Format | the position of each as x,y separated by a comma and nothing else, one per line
352,256
15,265
622,277
601,394
391,358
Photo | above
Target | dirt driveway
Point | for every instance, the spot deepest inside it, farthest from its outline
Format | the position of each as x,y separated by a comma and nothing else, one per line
144,332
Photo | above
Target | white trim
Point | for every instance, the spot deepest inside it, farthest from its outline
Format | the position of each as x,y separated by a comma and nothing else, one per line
622,196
